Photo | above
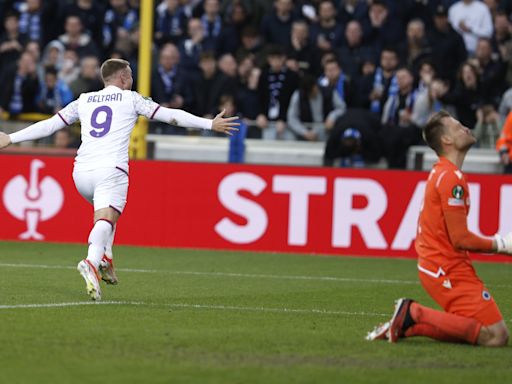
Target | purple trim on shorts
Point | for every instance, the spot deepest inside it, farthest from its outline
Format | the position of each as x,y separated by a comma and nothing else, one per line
115,209
154,112
64,120
122,170
108,221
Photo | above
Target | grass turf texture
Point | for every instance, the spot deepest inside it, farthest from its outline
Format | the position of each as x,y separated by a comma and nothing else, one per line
239,333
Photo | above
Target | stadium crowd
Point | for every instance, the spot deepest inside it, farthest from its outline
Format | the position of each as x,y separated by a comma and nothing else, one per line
362,75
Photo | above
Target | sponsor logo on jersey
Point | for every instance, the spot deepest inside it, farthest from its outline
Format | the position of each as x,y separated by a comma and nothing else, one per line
486,295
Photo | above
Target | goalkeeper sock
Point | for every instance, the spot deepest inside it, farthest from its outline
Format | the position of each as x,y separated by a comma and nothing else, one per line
443,326
98,239
428,330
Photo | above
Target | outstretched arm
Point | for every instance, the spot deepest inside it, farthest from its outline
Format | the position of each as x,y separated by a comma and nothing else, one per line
181,118
43,128
35,131
146,107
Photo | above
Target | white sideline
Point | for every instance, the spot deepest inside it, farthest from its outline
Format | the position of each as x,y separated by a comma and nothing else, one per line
195,306
227,274
243,275
55,305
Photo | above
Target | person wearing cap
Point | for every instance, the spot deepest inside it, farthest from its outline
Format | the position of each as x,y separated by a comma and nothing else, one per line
448,49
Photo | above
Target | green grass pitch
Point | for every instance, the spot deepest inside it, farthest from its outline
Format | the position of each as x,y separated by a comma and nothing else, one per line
195,316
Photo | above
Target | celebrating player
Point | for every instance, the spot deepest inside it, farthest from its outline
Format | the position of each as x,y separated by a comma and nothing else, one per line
100,171
442,243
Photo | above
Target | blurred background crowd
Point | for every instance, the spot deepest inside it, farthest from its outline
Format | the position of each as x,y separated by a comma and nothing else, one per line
361,75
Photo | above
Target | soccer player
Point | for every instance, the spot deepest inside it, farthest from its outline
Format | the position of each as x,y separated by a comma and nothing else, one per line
100,171
442,243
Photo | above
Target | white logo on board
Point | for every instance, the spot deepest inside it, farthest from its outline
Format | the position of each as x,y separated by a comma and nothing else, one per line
33,201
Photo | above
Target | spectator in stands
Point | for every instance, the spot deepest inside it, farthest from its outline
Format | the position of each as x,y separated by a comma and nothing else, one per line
488,126
20,84
471,19
91,13
168,85
70,69
170,23
251,43
468,95
354,52
352,10
343,142
504,145
492,70
425,75
502,39
236,17
208,87
448,48
11,41
416,47
74,38
276,85
229,68
301,53
37,20
428,102
312,112
384,80
54,94
89,78
383,27
118,21
248,100
326,34
398,130
192,47
53,56
335,80
276,26
212,26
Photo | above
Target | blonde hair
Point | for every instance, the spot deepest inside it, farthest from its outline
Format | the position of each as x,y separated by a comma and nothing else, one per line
111,67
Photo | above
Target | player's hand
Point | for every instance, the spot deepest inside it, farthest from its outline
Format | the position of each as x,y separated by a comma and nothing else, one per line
504,244
225,125
5,140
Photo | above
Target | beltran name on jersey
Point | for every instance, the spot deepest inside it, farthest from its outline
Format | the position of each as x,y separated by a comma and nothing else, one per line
104,98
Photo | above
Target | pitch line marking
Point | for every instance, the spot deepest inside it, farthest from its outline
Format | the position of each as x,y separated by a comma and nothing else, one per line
226,274
201,306
195,306
243,275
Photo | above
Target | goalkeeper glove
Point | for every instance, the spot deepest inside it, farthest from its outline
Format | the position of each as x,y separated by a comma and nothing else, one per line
504,244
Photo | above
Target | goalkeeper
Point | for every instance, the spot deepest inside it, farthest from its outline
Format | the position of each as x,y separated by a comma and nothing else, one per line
442,243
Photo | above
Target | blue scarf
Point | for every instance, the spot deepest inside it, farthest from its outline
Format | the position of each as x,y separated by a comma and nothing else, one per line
378,82
216,26
168,79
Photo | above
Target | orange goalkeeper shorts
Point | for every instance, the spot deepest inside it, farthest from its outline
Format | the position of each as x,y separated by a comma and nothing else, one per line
461,292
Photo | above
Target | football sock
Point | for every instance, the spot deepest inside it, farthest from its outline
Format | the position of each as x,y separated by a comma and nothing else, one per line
110,242
97,241
442,326
428,330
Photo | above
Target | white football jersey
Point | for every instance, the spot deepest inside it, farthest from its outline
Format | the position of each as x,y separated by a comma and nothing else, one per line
107,118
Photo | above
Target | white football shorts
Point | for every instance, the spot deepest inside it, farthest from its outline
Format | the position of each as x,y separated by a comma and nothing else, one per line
103,187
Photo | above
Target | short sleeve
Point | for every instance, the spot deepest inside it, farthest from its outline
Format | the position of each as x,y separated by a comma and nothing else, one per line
453,190
144,106
69,114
